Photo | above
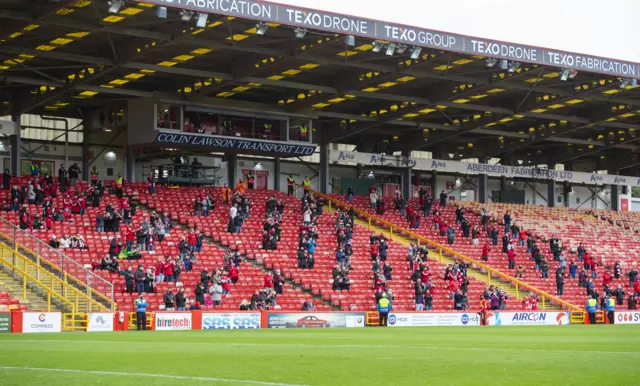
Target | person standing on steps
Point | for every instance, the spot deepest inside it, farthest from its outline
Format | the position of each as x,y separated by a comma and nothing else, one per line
250,180
384,307
291,184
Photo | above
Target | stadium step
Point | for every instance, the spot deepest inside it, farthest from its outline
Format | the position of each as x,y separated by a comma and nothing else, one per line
34,300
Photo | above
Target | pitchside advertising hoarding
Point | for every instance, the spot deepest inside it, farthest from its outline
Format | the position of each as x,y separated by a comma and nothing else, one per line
100,322
315,320
179,321
34,322
459,167
432,319
480,27
5,322
627,317
528,318
231,321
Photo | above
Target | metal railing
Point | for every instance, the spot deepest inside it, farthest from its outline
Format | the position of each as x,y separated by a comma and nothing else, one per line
491,272
58,264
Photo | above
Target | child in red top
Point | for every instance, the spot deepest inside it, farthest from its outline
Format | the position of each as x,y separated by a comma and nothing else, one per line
48,223
485,252
526,303
268,281
375,249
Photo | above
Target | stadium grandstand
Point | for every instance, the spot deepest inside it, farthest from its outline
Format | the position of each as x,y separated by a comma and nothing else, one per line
262,160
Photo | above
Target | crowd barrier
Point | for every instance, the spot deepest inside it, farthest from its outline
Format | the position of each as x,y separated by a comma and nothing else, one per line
39,322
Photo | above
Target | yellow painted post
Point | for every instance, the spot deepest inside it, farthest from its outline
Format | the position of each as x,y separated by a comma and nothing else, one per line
369,223
390,231
517,292
543,306
49,301
24,286
489,277
329,205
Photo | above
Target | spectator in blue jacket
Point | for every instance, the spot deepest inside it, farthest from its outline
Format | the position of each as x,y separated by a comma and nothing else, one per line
592,307
450,235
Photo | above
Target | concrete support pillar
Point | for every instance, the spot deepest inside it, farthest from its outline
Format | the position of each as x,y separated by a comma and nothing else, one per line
325,173
130,164
276,172
232,164
615,198
15,143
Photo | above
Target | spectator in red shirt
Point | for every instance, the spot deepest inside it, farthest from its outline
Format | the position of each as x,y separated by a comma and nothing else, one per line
48,223
225,281
606,278
167,270
233,273
485,252
375,249
511,256
130,237
268,281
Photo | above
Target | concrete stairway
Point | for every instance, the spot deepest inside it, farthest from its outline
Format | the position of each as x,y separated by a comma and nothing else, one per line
34,300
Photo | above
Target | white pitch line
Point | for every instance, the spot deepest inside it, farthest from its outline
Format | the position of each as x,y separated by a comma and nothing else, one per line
313,345
165,376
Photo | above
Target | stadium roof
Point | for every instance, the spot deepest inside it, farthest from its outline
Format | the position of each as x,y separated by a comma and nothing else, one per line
64,57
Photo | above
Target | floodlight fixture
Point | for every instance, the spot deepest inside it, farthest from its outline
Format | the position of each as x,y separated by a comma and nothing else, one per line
415,54
401,48
161,12
624,82
202,20
377,46
261,28
491,62
350,40
566,74
186,15
391,48
300,33
513,66
634,82
504,64
115,5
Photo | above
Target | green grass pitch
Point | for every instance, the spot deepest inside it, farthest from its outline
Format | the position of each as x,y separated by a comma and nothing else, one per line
573,355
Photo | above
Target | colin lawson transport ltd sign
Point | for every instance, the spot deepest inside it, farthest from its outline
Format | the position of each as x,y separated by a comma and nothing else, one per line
374,29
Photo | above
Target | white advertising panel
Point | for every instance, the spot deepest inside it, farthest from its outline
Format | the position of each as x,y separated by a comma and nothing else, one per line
508,21
178,321
538,318
432,319
33,322
459,167
100,322
490,28
627,317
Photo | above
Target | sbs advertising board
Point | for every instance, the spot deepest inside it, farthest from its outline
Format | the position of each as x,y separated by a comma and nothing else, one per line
231,320
33,322
540,318
429,319
315,320
100,322
627,317
175,321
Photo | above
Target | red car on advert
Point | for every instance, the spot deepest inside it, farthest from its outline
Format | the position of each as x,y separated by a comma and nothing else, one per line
312,322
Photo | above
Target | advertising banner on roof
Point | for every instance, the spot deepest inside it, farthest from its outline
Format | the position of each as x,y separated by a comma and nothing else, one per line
458,167
234,143
465,26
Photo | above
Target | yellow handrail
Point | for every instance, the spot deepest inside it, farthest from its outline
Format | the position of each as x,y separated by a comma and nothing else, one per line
69,291
66,275
50,291
442,248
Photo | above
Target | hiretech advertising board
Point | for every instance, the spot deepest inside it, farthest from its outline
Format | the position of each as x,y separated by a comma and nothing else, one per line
175,321
528,318
315,319
432,319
